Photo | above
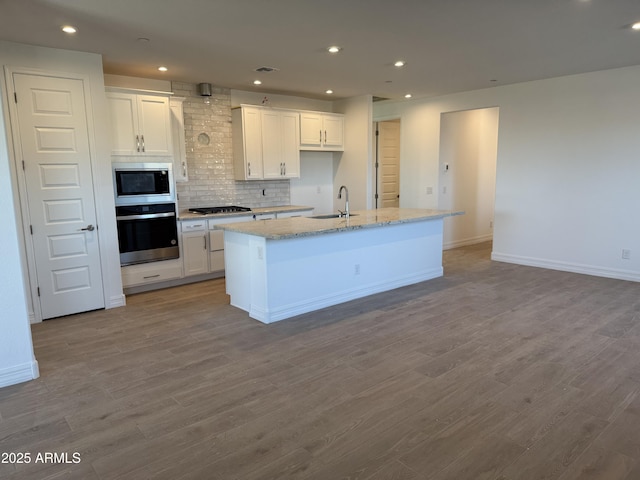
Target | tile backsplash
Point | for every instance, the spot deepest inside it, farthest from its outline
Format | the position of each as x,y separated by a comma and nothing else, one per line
210,164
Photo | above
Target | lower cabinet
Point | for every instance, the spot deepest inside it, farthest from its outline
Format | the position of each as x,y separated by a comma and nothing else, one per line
203,246
194,248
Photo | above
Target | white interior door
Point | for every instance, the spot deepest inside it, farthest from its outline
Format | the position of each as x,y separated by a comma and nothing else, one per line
389,161
52,139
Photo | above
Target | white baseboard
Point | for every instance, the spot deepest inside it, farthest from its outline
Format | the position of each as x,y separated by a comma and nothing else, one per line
567,267
117,301
467,241
19,373
317,303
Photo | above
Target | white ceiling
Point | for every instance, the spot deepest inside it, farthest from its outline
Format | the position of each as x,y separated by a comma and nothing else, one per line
449,45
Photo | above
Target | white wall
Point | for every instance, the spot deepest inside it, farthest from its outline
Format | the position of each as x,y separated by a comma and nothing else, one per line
468,147
314,188
89,66
17,361
567,186
353,167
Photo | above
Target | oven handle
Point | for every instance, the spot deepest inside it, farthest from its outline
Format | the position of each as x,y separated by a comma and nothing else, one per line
146,216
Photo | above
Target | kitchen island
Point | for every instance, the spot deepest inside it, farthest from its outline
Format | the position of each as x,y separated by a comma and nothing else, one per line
277,269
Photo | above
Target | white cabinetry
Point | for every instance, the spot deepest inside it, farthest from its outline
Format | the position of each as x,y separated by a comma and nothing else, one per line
321,131
180,173
266,143
203,246
195,256
140,123
280,144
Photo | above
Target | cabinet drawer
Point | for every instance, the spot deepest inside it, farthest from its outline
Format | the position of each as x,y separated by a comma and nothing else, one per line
194,226
151,272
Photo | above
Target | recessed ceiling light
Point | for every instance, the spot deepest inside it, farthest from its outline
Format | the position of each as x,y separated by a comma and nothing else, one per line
69,29
143,40
334,49
636,26
400,63
329,92
257,82
163,69
408,95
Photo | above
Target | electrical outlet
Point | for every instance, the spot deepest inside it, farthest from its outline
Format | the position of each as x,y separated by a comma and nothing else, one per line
626,254
429,190
491,224
319,190
444,189
356,269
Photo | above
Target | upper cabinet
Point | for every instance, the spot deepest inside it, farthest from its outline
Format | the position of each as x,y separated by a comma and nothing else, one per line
266,143
180,173
140,123
321,131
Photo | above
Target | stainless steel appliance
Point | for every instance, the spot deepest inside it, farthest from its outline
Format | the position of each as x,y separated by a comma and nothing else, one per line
145,212
147,233
143,183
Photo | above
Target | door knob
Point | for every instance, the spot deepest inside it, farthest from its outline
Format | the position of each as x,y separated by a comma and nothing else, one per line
89,228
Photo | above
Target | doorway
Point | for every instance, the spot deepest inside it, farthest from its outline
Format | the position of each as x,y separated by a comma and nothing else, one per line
53,157
467,174
387,164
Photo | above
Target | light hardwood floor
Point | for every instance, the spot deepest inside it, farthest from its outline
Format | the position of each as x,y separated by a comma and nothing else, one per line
494,371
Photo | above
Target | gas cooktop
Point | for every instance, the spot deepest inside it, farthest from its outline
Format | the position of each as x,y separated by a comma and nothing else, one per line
223,209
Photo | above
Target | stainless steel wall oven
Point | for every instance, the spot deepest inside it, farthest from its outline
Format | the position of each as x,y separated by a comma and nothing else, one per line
145,212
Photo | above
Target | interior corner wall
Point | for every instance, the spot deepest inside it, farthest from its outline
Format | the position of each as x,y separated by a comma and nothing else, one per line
567,173
353,167
17,360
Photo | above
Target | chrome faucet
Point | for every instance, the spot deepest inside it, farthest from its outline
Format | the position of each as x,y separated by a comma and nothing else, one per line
346,201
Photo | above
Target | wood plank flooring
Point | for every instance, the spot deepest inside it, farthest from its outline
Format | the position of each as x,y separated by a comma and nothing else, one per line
494,371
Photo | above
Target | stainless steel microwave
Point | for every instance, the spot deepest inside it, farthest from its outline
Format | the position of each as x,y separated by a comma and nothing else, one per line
143,183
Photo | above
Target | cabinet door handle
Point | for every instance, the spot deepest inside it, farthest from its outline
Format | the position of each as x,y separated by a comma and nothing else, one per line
142,137
325,136
151,276
138,143
205,241
248,169
320,139
284,169
184,169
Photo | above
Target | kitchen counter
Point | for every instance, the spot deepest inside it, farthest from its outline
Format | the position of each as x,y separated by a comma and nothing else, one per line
187,215
277,269
308,226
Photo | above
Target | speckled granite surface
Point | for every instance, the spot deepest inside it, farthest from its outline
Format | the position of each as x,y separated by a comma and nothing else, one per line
186,215
308,226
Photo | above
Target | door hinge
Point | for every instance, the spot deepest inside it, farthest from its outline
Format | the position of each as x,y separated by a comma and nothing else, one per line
38,291
376,196
15,97
31,229
23,167
377,132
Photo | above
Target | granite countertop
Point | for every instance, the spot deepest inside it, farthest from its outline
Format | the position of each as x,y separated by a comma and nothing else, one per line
187,215
308,226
